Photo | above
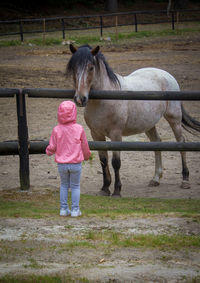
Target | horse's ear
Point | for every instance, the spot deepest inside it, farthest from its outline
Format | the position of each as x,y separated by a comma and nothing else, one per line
72,48
95,50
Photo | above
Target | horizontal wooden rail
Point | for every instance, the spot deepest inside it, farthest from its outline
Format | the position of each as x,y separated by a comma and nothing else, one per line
104,94
38,147
116,95
8,92
145,12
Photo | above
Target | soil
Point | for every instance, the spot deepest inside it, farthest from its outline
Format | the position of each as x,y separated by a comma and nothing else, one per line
45,241
44,67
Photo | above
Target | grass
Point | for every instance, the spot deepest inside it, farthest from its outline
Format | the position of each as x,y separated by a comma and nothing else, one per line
112,239
112,207
99,239
40,279
21,204
103,241
33,264
80,39
59,279
25,209
69,246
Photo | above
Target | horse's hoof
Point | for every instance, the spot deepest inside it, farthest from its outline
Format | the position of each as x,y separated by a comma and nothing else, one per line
185,185
103,193
116,195
153,183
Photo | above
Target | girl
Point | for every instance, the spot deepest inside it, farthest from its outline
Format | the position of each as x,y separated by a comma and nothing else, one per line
69,144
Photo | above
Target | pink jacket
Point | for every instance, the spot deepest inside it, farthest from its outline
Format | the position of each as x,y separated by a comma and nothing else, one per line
68,139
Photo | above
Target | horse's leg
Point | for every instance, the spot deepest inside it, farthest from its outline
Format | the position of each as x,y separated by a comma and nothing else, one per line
177,129
174,119
103,157
116,163
152,134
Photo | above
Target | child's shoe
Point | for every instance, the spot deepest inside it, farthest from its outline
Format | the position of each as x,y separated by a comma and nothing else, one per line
65,212
76,212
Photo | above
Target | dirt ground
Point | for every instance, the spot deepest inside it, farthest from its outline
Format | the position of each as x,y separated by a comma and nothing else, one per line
35,67
44,67
45,242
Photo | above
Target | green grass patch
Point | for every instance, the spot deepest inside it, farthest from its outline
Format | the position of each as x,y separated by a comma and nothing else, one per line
164,242
144,34
33,264
26,209
107,240
119,207
58,279
151,241
40,279
69,246
47,41
47,205
6,43
95,39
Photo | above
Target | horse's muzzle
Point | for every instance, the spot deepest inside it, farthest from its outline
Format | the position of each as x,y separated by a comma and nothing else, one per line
80,101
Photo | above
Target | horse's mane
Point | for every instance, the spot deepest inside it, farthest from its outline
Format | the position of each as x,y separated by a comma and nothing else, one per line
83,55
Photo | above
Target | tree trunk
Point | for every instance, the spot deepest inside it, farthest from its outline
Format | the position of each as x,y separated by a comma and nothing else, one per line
180,4
111,6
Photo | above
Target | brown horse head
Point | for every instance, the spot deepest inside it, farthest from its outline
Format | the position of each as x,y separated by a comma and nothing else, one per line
86,66
82,67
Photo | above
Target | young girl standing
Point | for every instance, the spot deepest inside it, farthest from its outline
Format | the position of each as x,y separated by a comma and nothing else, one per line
69,144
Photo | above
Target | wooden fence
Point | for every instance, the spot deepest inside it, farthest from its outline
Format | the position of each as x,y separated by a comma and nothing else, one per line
64,24
23,147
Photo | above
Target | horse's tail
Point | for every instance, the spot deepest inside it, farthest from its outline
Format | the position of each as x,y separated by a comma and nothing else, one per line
188,121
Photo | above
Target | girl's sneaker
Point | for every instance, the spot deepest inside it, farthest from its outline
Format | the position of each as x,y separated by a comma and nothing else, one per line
65,212
76,212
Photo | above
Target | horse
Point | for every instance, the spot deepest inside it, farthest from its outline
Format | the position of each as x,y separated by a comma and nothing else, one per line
114,119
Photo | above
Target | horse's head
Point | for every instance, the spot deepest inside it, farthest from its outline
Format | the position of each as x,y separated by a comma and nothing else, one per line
82,67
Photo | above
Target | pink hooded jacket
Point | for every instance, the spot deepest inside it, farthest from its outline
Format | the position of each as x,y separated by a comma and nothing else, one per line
68,139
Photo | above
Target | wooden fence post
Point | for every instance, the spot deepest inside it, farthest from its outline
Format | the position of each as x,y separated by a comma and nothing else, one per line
63,28
21,31
116,27
101,26
136,24
173,27
23,141
44,31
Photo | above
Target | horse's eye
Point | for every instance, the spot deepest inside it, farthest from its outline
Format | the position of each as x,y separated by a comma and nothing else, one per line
91,68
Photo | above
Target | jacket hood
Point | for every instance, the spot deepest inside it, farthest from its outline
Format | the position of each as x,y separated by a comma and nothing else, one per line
67,112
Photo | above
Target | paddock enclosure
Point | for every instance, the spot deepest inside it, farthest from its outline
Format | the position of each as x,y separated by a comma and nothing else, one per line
25,67
23,27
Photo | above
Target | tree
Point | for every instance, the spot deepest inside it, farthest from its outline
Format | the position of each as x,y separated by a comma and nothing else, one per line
176,4
111,6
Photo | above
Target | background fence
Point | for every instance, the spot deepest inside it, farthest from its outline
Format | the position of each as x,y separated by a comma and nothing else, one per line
100,21
23,147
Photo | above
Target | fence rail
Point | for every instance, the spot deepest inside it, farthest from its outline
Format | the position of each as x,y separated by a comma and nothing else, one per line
102,94
38,147
117,95
23,147
65,26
